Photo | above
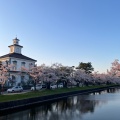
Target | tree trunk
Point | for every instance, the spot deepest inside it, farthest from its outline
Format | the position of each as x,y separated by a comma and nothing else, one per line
0,89
65,84
35,85
48,85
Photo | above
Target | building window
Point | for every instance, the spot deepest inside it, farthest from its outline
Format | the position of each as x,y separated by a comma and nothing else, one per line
22,78
12,81
22,64
15,65
30,65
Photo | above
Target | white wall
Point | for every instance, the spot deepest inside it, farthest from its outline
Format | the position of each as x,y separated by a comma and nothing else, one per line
19,63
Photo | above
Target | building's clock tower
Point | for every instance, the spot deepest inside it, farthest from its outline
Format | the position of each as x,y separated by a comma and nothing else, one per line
15,48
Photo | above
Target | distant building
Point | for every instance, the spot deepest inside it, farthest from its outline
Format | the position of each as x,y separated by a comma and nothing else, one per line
16,58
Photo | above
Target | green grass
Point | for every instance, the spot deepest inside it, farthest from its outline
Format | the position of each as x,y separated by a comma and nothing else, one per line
4,98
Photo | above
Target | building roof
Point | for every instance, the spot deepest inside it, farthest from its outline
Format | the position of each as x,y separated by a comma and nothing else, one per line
16,45
17,55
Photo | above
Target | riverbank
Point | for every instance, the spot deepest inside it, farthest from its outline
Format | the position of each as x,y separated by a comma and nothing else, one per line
27,100
31,94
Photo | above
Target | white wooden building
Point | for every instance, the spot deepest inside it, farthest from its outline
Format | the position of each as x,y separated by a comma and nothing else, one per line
16,58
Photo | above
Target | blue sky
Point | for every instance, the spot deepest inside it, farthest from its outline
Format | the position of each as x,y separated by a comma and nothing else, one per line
63,31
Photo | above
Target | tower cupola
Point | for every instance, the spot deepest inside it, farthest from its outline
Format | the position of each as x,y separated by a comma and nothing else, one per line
15,48
16,41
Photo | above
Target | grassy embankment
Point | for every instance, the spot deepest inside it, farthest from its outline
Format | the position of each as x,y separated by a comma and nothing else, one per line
4,98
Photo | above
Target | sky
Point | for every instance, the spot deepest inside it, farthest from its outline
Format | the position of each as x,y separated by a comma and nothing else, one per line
63,31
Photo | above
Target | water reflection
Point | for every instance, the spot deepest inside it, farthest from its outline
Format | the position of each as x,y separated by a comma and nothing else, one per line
73,108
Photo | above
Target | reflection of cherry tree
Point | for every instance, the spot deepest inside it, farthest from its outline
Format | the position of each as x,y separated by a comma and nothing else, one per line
71,108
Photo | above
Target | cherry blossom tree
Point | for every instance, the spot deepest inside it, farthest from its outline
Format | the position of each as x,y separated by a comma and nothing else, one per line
48,76
62,73
58,73
115,69
114,72
33,72
4,72
41,74
82,77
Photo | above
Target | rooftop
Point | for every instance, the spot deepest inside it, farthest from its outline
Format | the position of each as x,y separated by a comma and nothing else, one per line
17,55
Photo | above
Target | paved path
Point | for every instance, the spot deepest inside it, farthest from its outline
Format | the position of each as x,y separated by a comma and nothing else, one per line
24,91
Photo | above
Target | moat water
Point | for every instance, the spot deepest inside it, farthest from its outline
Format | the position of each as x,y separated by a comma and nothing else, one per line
104,105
